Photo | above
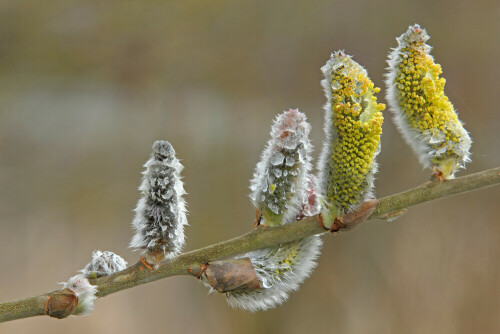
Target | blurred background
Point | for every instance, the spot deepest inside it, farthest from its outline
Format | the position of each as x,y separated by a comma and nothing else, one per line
87,86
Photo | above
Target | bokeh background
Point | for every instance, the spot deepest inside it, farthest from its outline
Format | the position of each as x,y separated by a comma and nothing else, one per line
87,86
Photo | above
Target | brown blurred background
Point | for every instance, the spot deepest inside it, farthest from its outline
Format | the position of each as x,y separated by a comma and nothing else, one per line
86,86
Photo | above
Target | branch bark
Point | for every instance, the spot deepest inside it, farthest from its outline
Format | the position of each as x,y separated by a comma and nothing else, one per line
192,263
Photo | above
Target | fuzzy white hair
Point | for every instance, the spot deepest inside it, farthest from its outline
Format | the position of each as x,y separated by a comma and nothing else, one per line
161,211
85,292
288,149
277,278
104,264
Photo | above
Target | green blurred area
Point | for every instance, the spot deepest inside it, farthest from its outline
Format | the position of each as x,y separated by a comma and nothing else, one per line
87,86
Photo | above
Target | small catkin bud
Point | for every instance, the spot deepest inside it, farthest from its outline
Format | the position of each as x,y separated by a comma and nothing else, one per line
161,211
85,293
103,264
353,126
61,304
280,178
422,112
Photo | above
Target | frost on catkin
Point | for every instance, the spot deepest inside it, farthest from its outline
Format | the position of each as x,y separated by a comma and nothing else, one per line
280,178
103,264
85,293
161,211
421,110
283,191
353,126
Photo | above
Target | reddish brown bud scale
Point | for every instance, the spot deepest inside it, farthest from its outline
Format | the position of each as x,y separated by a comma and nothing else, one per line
62,304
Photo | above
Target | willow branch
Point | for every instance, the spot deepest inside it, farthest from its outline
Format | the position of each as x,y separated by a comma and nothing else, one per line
191,263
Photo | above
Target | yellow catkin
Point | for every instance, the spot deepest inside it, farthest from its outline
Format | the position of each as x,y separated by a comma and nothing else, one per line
353,128
423,113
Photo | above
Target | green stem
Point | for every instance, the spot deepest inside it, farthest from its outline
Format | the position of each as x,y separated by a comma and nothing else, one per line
23,308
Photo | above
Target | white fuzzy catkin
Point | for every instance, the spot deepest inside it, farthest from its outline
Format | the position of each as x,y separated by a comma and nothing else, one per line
283,191
85,293
280,178
280,270
103,264
353,125
161,210
421,111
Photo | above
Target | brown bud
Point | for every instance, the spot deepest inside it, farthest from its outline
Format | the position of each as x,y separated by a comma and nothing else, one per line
62,304
232,275
392,216
355,217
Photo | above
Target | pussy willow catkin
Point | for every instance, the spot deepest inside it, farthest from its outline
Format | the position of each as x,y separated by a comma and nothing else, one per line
161,211
103,264
353,126
282,190
280,179
85,292
422,112
280,270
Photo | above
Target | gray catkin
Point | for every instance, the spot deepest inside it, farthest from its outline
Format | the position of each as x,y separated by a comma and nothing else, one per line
161,211
283,190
